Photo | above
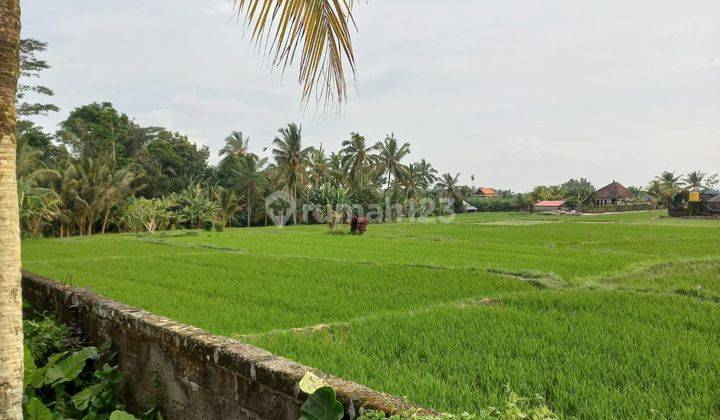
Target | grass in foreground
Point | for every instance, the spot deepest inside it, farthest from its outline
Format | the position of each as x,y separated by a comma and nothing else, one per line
589,354
621,330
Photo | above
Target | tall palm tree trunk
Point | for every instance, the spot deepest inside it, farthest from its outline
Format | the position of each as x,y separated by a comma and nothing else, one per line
294,200
80,221
106,218
11,333
248,205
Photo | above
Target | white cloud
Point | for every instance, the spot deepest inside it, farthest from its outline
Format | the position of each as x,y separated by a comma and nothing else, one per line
516,92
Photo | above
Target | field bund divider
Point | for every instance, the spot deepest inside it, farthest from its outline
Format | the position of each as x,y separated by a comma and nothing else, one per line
188,372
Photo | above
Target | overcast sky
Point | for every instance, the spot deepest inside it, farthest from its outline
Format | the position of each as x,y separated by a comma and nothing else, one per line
518,93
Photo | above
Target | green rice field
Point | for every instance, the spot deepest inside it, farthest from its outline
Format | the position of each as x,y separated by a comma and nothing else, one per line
612,316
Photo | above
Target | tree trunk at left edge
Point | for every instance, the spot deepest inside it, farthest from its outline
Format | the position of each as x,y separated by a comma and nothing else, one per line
11,333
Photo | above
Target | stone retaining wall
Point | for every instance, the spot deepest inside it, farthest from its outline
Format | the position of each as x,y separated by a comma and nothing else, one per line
191,373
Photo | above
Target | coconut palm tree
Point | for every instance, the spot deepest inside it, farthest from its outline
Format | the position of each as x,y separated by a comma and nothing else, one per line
319,168
38,207
235,145
292,160
694,180
700,181
411,181
426,173
228,203
118,187
11,332
252,177
318,31
670,180
92,194
448,185
336,170
357,157
67,190
29,165
38,204
655,190
670,185
390,154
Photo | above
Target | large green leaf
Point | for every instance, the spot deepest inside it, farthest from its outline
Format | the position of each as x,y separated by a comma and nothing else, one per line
31,374
70,367
81,400
322,405
36,410
53,358
36,377
121,415
28,360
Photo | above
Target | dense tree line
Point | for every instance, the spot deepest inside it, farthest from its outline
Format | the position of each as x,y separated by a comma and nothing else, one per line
667,189
102,171
672,190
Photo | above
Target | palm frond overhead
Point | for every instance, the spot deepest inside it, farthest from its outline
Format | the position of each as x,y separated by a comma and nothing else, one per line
317,30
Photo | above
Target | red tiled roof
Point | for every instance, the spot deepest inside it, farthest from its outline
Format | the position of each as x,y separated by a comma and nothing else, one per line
550,203
485,191
613,191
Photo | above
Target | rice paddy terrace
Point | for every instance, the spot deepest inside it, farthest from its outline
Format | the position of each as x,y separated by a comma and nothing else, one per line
603,316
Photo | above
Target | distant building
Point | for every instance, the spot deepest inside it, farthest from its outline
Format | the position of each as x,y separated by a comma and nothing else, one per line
712,204
552,205
707,196
644,197
485,192
613,193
